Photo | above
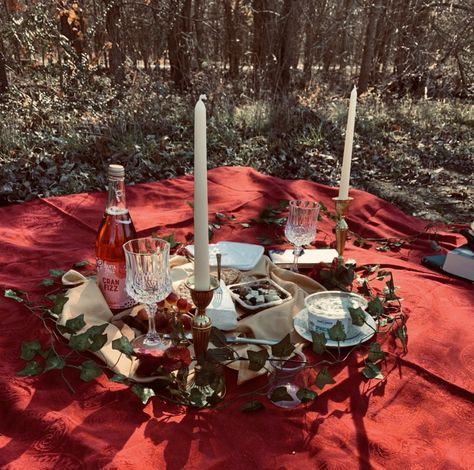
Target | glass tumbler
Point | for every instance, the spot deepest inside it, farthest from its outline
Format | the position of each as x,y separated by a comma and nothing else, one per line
287,374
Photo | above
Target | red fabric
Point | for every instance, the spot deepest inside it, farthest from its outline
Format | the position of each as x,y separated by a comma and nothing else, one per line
420,417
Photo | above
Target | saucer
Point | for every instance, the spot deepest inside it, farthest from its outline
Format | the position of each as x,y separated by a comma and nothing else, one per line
365,332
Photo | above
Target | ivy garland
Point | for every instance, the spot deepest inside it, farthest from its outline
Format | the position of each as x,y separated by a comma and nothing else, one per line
172,371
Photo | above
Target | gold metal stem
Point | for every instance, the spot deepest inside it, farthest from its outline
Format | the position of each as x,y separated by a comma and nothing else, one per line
342,207
201,323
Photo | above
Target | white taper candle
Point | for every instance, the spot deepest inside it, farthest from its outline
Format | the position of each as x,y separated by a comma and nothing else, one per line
346,161
201,225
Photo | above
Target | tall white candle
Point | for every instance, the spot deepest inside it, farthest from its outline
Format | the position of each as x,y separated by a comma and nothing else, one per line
201,227
346,161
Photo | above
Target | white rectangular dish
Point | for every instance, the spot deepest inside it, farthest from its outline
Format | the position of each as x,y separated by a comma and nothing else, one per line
309,257
242,256
258,294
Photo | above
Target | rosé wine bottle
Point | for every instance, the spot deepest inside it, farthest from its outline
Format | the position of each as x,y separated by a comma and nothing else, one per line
115,229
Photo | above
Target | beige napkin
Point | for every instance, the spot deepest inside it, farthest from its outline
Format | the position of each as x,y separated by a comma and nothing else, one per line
273,323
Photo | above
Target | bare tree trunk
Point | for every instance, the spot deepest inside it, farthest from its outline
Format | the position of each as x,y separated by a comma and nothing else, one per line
286,45
3,69
178,47
116,56
344,26
232,47
366,66
197,19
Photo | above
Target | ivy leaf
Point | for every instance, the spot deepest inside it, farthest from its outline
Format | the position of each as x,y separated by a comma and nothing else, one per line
375,307
336,332
196,398
389,291
29,349
252,406
123,345
219,215
257,359
214,399
98,342
364,289
264,241
245,225
31,368
284,348
305,395
53,361
324,378
144,393
81,264
79,342
56,272
89,370
171,240
401,334
96,330
73,325
357,315
59,302
219,354
280,394
371,371
217,337
231,217
375,353
382,274
14,295
120,379
47,282
319,342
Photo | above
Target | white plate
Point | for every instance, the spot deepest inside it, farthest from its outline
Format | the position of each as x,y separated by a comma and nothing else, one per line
243,256
365,332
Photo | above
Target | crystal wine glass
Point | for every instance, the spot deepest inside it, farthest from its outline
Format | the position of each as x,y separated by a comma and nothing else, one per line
148,281
300,227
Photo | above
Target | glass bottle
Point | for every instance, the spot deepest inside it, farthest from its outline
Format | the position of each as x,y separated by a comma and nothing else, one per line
115,229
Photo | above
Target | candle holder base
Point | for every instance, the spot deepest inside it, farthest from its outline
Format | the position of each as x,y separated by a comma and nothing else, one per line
342,208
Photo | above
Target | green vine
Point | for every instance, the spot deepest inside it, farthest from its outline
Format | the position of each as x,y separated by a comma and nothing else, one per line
172,371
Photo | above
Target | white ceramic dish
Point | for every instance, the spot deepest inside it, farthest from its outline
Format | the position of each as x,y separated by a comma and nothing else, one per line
364,332
282,293
242,256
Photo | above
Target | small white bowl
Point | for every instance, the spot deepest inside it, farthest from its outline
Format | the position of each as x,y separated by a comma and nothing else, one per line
327,307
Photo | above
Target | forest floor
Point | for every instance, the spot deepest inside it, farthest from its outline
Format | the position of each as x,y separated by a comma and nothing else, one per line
417,154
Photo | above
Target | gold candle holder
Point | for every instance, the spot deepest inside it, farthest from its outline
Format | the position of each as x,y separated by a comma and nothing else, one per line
201,323
342,207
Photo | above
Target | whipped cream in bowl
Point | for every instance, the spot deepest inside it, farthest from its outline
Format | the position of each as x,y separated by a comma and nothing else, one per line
327,307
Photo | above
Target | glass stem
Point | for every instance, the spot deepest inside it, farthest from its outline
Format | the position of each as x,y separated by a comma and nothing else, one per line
151,310
296,254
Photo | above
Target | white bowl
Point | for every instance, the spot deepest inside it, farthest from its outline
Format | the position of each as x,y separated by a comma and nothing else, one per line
328,307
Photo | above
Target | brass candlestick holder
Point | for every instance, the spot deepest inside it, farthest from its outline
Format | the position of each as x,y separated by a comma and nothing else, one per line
201,323
342,207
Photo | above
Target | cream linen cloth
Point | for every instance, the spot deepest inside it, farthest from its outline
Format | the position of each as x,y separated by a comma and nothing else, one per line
273,323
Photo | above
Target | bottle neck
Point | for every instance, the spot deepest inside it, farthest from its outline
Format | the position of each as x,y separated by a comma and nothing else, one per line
116,202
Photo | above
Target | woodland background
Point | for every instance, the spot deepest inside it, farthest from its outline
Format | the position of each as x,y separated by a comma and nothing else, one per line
88,82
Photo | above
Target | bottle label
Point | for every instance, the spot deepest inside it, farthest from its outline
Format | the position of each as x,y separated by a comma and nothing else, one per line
111,282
